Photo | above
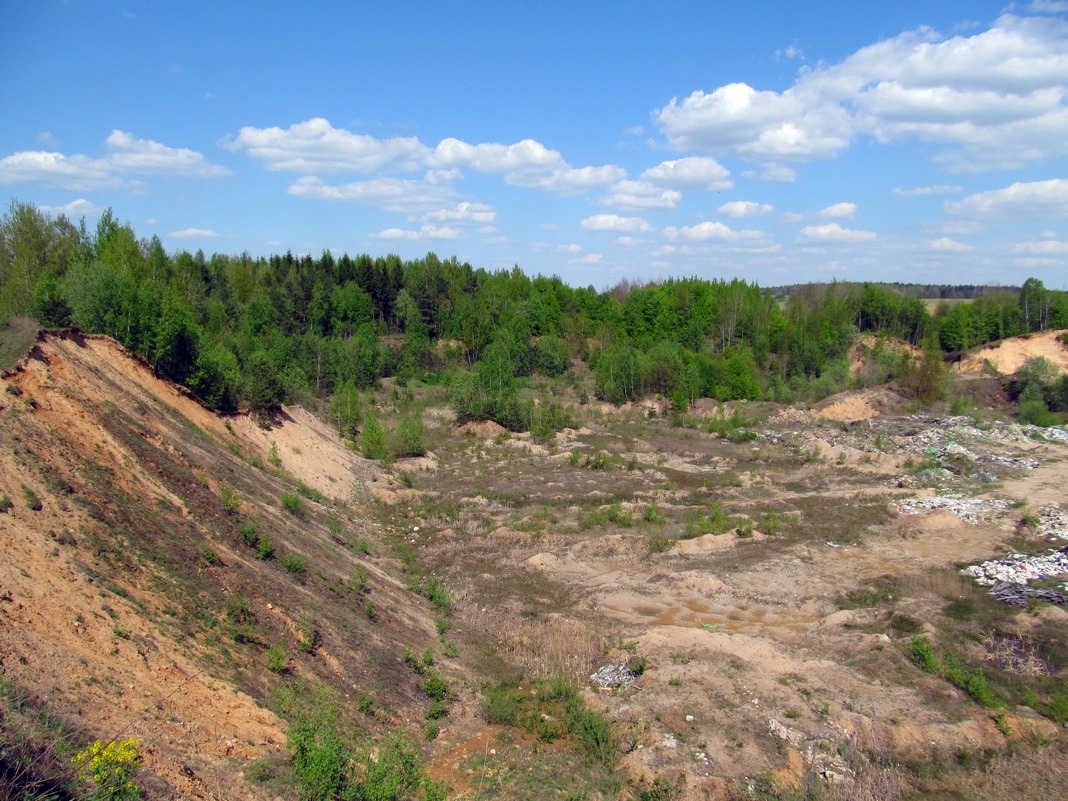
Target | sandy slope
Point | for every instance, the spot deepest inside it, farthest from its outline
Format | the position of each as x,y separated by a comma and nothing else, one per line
1009,355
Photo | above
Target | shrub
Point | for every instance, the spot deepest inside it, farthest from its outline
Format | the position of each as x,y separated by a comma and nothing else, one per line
500,704
921,652
32,501
210,556
5,502
435,686
248,534
293,504
264,548
230,500
277,659
295,565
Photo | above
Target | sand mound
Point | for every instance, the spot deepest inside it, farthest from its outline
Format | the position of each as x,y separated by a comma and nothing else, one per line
482,428
1009,355
847,408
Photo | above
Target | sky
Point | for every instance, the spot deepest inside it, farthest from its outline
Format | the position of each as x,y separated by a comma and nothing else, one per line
776,142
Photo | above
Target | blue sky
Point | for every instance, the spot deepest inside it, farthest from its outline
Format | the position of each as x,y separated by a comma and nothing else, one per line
777,142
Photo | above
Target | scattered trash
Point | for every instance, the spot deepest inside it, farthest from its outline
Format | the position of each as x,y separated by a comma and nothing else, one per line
610,677
970,510
711,626
1017,568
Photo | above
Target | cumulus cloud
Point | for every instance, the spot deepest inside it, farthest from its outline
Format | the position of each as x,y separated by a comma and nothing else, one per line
130,154
924,191
125,155
947,244
425,232
75,209
465,212
708,231
995,98
745,208
189,233
1041,246
1039,199
315,146
613,222
526,163
639,195
839,210
392,194
833,232
692,172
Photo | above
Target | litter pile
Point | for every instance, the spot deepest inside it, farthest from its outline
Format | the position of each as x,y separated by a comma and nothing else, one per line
1017,568
970,510
1053,523
610,677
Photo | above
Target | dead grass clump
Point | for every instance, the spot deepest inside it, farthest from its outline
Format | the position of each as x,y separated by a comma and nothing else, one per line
1015,655
1039,774
540,646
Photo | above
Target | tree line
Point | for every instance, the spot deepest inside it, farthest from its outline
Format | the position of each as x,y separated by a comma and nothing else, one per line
257,332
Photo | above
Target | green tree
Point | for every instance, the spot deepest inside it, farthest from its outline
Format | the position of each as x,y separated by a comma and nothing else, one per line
373,440
411,436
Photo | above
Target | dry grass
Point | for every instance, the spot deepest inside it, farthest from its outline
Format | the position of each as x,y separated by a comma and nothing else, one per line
1015,656
546,645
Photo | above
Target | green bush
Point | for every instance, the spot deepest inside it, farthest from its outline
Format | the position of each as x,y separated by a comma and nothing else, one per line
921,652
293,504
295,565
230,500
277,660
500,704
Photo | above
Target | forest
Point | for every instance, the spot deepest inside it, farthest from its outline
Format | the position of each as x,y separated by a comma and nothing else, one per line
257,332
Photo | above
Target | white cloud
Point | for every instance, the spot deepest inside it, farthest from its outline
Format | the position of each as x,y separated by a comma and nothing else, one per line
613,222
1039,199
425,232
527,163
589,258
1036,262
705,231
791,217
833,232
839,210
126,155
567,180
315,146
947,244
762,125
630,241
692,172
924,191
189,233
640,195
996,98
465,212
48,139
129,154
961,227
391,194
74,210
1041,246
745,208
